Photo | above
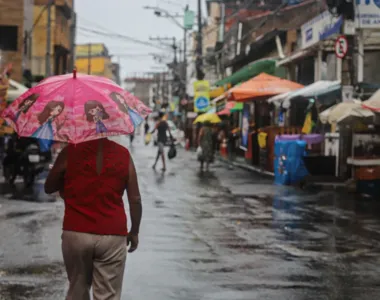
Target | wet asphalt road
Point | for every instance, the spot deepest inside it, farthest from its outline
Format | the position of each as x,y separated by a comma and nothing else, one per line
227,234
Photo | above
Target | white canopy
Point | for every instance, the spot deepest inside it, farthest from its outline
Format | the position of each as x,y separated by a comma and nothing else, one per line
344,111
373,103
312,90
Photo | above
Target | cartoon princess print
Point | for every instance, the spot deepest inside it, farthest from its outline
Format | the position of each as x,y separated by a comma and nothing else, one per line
51,111
24,106
95,112
123,106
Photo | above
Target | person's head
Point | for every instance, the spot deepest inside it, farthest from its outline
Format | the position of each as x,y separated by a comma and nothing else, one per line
52,110
161,115
207,124
27,103
93,108
120,101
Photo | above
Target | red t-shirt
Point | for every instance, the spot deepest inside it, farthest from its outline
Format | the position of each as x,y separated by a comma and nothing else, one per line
94,203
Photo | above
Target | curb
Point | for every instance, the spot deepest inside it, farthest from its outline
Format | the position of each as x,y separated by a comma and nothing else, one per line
246,167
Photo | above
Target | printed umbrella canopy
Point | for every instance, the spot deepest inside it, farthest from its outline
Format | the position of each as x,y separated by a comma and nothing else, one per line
75,108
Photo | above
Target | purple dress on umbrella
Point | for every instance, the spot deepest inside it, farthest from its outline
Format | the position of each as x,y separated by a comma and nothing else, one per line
100,127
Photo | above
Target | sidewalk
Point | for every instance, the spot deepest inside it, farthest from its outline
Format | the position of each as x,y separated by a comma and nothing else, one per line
240,163
309,181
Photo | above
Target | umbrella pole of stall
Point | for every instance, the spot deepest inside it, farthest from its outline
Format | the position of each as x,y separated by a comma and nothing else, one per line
352,152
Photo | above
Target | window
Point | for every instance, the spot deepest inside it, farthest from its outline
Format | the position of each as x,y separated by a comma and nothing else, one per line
8,38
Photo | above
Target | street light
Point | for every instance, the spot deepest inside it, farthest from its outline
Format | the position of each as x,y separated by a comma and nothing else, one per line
159,12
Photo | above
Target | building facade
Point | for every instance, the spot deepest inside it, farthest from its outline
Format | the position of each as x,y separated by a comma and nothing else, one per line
142,86
61,39
94,59
15,30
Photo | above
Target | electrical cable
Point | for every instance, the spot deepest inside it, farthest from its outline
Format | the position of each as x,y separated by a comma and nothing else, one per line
120,36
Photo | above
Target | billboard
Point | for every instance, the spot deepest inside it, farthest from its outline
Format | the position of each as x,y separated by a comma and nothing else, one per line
201,96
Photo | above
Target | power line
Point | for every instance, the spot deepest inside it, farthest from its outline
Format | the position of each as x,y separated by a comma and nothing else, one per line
120,36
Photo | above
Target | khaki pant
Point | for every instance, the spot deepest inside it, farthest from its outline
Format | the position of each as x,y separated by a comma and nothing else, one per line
94,260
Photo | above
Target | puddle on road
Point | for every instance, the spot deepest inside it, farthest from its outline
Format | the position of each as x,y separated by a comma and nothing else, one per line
204,260
18,214
32,282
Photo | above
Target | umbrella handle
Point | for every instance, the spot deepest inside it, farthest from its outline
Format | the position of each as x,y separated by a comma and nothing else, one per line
75,73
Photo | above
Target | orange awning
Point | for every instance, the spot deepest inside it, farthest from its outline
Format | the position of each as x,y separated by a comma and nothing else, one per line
263,85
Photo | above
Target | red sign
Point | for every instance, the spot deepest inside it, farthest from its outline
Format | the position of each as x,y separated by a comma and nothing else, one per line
341,47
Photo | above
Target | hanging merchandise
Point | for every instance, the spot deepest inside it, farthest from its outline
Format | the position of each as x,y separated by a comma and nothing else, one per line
262,139
308,124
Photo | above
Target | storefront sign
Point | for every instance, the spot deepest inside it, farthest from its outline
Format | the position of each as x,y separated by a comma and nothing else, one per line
201,96
220,105
320,28
245,127
188,20
367,14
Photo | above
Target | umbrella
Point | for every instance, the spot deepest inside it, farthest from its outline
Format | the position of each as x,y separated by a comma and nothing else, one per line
263,85
230,107
75,108
344,110
373,103
208,117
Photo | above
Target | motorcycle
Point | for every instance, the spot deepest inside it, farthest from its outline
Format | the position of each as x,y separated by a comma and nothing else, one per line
27,163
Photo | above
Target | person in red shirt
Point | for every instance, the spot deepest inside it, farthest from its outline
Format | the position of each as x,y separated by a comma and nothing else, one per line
91,177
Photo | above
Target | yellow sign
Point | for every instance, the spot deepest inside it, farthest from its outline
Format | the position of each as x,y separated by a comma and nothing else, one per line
201,96
172,106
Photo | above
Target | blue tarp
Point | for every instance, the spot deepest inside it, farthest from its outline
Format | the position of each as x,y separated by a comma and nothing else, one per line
289,167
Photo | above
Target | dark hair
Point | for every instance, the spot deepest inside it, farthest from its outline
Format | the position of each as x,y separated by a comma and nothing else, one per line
32,97
45,114
122,106
161,114
93,104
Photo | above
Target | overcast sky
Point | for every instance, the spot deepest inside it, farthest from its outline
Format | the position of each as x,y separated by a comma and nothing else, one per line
129,18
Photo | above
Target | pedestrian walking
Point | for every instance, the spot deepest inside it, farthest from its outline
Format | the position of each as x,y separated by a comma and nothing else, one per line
91,174
91,177
131,138
146,127
205,141
162,128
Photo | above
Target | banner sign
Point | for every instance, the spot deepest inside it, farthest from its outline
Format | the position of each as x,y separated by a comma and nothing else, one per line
188,20
320,28
220,105
245,127
367,14
201,96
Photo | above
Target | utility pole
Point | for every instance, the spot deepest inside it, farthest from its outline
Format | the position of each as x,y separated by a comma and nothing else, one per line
185,56
222,29
48,39
346,44
89,59
199,63
175,50
72,40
